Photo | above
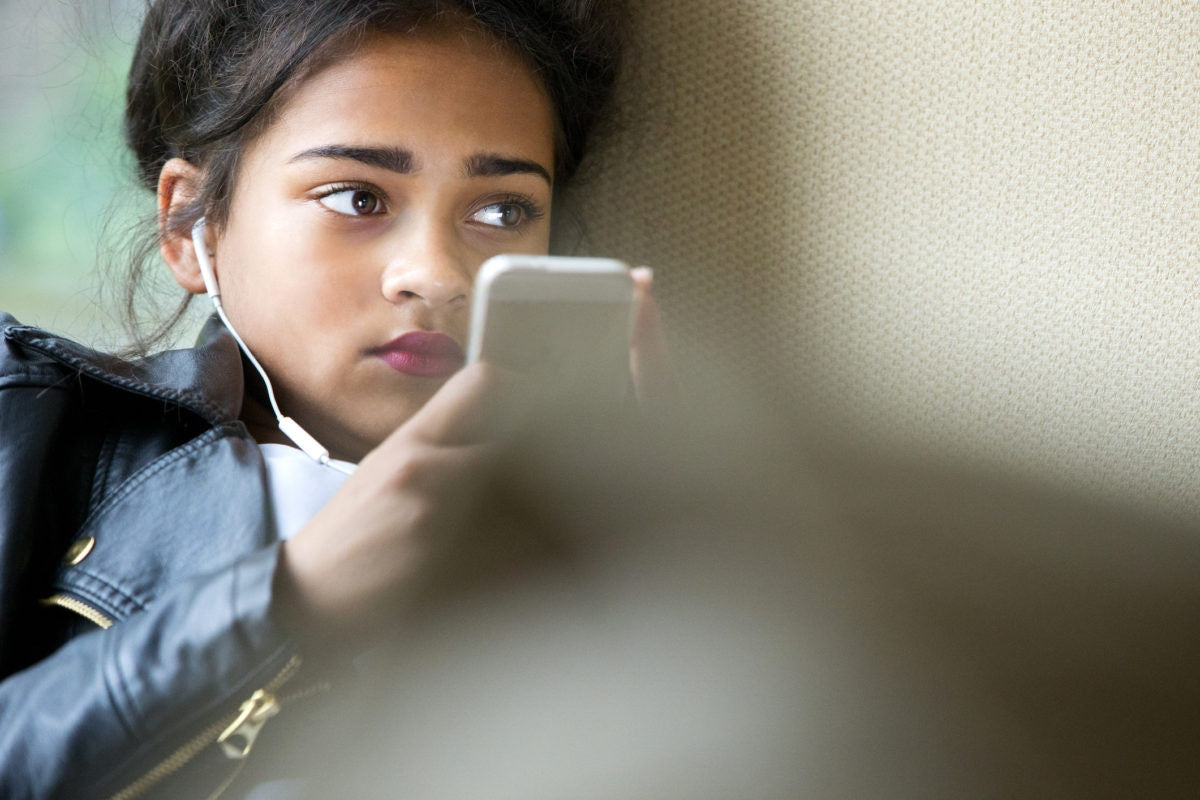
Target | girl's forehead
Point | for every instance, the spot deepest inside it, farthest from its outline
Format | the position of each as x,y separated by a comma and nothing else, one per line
439,49
423,65
440,85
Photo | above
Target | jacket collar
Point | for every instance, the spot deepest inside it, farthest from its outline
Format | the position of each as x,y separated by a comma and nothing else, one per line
199,507
205,379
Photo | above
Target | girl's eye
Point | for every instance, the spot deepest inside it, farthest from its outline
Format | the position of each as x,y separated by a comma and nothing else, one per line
506,215
352,202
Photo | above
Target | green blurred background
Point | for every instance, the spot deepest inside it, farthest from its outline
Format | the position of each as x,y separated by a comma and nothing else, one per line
67,193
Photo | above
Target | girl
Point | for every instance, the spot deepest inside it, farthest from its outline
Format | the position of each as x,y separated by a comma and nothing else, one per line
171,564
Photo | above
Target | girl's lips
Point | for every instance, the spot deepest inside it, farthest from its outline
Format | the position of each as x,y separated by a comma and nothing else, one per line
422,353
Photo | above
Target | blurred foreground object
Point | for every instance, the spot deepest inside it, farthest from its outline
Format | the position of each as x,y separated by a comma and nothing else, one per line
709,614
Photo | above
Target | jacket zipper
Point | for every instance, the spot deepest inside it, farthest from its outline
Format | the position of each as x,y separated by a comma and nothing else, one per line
79,607
245,724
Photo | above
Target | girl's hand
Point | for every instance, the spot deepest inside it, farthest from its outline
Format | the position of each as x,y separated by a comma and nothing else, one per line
654,382
395,531
400,530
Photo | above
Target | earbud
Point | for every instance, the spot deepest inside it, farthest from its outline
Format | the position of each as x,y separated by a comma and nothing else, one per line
201,247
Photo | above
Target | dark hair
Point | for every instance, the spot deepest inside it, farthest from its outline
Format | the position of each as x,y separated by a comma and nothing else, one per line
208,74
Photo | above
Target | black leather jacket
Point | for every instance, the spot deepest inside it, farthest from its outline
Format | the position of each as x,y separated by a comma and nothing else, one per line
136,557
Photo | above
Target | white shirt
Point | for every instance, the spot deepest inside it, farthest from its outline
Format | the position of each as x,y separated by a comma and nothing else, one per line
298,486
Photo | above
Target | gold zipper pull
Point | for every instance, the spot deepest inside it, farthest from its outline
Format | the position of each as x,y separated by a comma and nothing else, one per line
238,738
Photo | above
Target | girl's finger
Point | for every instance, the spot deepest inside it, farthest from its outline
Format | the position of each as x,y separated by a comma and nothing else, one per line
649,362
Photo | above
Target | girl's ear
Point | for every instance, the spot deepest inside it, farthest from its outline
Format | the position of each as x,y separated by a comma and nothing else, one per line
178,185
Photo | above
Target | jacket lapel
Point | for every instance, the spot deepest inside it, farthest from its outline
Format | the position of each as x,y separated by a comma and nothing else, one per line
191,511
194,508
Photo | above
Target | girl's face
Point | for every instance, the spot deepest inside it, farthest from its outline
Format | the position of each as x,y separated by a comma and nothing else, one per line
361,216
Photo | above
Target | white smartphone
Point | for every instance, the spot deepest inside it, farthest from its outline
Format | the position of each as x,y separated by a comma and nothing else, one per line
563,318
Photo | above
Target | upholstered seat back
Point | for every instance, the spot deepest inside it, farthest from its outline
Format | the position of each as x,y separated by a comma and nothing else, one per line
969,231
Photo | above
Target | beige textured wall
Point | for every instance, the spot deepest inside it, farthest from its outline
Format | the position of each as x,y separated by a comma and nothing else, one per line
965,229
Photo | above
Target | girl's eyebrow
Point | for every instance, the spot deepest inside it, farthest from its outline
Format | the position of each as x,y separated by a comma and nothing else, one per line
491,164
397,159
394,159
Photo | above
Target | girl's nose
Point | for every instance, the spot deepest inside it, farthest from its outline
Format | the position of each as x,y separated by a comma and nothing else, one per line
430,271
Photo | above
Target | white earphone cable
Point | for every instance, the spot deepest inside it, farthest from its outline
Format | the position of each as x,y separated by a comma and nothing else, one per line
288,426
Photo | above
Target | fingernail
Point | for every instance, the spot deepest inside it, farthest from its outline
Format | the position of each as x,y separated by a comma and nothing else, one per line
642,274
